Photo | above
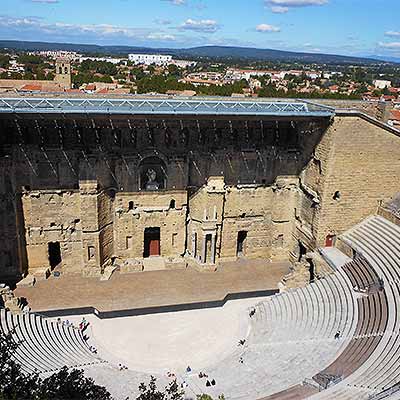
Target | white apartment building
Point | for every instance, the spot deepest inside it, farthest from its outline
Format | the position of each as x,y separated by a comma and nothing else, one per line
382,84
111,60
148,59
70,55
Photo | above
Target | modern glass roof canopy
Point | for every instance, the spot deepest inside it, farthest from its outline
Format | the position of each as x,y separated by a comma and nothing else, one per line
164,106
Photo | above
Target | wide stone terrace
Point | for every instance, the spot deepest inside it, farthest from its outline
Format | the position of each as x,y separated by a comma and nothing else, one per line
146,292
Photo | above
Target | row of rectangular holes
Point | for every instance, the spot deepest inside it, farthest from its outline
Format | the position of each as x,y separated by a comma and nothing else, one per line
172,204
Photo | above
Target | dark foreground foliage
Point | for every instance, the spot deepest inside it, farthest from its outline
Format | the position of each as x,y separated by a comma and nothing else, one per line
63,385
66,384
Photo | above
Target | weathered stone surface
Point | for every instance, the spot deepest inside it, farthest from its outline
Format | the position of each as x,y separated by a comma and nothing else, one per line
220,189
28,281
131,265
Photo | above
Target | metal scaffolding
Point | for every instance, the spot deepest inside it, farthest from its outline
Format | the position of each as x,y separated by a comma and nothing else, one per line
146,106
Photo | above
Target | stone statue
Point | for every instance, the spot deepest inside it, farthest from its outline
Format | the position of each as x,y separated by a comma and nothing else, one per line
151,180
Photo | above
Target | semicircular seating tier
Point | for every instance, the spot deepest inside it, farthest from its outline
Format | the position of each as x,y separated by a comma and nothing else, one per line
291,351
45,346
291,338
377,240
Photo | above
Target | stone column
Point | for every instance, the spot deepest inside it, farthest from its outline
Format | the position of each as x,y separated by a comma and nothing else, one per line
194,244
213,247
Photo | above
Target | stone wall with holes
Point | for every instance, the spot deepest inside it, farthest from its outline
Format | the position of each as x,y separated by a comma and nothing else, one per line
136,211
266,214
52,217
280,183
358,169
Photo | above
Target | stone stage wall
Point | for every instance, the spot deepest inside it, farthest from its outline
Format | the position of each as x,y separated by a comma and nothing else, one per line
87,192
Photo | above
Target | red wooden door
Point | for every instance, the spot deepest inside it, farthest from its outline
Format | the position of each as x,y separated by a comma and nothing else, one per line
329,241
154,247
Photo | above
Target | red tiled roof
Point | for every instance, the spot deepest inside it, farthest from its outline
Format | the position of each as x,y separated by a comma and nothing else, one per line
31,87
395,115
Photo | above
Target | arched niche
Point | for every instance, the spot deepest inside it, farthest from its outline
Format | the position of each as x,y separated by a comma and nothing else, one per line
152,174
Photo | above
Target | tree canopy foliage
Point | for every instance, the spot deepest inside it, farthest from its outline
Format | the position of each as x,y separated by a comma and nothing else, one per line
100,67
63,385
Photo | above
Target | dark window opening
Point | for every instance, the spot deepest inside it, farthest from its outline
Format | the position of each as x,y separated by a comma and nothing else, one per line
336,196
130,205
311,269
151,242
240,245
302,251
172,204
91,253
54,251
207,252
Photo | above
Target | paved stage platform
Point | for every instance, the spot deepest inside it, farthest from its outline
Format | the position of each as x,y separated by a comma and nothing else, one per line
154,291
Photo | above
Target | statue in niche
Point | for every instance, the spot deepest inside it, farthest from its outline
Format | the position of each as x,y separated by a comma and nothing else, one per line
151,184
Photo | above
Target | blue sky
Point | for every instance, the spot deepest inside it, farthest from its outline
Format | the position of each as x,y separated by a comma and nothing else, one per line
355,27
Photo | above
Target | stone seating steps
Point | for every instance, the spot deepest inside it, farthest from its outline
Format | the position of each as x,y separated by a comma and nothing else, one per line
360,273
45,346
383,252
296,392
291,329
316,311
378,241
370,326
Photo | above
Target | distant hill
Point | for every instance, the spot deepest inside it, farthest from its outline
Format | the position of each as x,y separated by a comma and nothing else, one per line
212,52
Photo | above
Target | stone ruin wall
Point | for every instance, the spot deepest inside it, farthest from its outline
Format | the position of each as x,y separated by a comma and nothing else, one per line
377,110
93,207
355,169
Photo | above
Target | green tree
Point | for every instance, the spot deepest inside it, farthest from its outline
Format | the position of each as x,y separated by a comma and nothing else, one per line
66,385
174,71
4,60
63,385
30,59
151,392
100,67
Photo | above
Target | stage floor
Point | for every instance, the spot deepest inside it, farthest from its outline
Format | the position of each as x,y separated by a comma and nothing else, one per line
153,289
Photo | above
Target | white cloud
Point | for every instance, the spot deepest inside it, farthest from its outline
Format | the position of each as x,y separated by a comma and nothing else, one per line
176,2
297,3
45,1
160,36
283,6
36,26
267,28
203,25
392,33
279,9
390,45
161,21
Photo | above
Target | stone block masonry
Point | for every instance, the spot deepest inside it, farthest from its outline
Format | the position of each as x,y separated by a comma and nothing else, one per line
82,193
